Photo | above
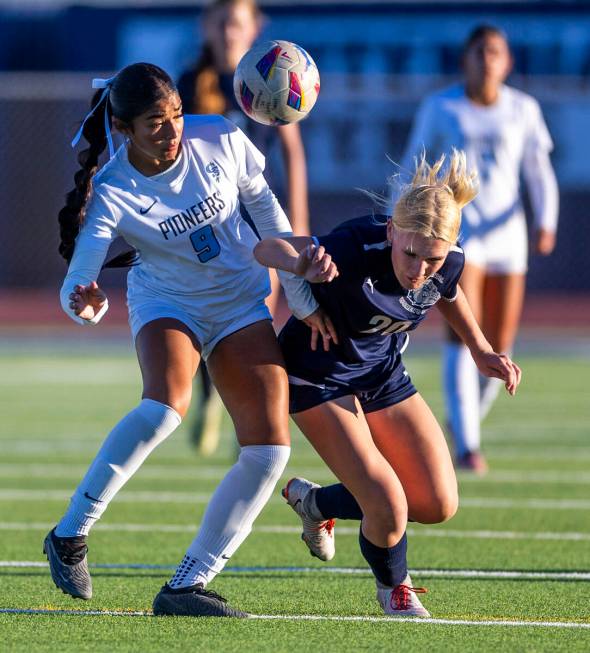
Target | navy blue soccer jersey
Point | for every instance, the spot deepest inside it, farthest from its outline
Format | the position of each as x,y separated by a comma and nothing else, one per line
370,309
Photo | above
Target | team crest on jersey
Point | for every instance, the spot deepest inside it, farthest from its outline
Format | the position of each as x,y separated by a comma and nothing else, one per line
421,299
213,169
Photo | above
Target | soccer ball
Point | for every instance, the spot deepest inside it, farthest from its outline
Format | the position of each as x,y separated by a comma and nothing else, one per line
276,83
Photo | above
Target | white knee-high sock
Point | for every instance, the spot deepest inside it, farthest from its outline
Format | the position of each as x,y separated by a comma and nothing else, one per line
488,392
122,453
234,506
461,388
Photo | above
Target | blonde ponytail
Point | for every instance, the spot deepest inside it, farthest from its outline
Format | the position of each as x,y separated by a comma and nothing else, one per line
431,204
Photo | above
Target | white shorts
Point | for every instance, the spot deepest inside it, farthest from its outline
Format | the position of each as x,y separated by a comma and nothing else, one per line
146,307
502,249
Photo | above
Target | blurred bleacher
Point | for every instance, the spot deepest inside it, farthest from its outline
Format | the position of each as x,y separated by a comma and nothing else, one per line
377,61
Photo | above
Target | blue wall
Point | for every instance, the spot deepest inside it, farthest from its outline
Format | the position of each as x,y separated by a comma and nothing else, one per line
548,38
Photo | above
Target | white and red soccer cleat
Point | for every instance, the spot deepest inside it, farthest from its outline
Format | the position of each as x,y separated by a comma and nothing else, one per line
402,600
317,534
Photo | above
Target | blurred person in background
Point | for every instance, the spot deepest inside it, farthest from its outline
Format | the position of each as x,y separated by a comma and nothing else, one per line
195,292
504,135
230,28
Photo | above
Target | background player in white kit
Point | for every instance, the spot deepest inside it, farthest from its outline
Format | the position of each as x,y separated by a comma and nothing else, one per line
503,134
173,191
230,28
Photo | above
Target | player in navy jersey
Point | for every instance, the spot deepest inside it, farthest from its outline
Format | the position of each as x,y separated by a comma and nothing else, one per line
353,398
173,190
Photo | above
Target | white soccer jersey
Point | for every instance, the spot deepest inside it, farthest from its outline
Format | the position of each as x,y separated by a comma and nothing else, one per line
186,223
500,140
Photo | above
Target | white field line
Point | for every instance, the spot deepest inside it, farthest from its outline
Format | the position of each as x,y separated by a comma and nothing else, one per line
107,373
533,503
516,451
148,496
346,571
62,444
217,472
125,497
313,617
574,437
152,472
527,429
341,530
92,441
527,476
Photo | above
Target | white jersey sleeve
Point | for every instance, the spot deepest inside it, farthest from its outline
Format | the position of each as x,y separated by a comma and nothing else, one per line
538,171
269,217
92,244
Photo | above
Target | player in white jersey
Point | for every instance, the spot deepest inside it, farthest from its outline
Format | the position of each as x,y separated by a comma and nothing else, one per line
194,292
503,134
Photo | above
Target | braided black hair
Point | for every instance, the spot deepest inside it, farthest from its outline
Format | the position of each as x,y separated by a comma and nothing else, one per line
72,214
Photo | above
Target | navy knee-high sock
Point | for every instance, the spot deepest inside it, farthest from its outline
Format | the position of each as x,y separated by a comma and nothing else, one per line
336,502
389,564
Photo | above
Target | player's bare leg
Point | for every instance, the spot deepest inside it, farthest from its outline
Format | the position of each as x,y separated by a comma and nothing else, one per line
272,301
341,435
503,299
461,382
247,368
411,440
168,355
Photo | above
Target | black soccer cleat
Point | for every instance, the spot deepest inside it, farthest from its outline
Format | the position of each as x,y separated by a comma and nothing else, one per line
68,564
193,601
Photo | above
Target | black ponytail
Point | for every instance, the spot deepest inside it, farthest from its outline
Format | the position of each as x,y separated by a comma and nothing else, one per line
72,215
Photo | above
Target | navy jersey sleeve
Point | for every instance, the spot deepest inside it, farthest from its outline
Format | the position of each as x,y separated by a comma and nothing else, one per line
451,272
346,252
350,242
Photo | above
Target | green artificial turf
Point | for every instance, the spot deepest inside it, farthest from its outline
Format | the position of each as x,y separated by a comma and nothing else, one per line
57,406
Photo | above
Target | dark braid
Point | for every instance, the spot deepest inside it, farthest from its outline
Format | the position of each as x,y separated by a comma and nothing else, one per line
132,92
72,215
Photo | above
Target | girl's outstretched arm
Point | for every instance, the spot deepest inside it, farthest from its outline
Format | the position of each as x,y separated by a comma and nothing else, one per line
299,255
461,319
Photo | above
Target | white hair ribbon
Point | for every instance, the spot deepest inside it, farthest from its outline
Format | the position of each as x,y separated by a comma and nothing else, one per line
99,82
106,84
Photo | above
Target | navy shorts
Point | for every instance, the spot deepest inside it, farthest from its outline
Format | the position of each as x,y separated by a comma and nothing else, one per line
318,376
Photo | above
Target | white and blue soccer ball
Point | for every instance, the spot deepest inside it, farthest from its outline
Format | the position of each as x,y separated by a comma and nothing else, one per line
276,83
